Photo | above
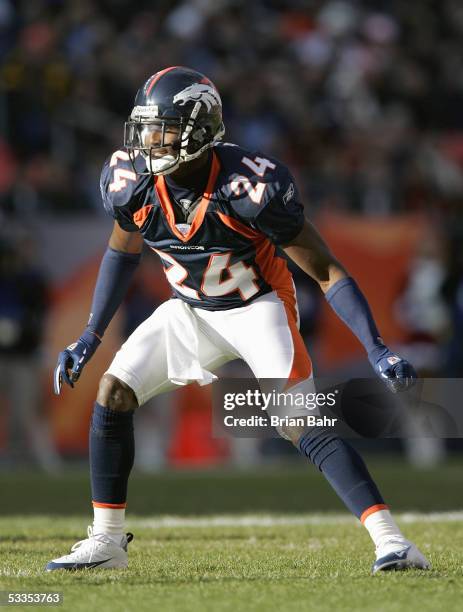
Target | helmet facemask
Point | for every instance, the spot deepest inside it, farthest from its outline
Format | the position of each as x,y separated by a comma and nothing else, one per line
147,134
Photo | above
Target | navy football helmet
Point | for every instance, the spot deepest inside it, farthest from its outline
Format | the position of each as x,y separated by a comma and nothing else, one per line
177,115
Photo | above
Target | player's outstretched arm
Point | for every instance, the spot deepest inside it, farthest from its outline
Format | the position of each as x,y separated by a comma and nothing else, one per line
116,270
309,251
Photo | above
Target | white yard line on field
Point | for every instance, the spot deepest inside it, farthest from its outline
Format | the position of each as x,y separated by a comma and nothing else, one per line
268,520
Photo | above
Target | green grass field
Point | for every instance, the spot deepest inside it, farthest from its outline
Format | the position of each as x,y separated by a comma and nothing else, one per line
319,564
278,541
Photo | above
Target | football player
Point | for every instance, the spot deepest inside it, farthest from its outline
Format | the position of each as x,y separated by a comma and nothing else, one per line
219,218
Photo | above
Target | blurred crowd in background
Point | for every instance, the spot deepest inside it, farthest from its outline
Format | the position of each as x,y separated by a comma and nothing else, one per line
362,99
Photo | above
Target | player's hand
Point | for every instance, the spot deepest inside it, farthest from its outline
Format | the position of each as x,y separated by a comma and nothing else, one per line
72,360
397,373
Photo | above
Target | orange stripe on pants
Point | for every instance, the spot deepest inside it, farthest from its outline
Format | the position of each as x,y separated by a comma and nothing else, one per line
276,274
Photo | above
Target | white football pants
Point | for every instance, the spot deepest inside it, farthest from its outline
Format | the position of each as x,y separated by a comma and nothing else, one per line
179,344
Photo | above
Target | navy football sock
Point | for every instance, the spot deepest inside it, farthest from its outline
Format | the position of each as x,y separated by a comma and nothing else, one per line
112,451
344,469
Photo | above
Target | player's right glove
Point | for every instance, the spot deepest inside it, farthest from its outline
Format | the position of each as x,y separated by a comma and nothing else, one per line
74,358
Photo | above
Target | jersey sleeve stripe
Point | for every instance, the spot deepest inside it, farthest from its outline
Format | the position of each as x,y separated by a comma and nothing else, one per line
141,215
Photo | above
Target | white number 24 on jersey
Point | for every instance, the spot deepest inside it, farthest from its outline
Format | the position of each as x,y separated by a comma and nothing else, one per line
241,184
241,277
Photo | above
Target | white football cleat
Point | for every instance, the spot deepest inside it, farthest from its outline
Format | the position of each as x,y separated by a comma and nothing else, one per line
399,555
97,551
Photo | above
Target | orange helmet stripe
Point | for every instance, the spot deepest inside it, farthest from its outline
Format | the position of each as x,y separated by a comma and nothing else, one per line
157,76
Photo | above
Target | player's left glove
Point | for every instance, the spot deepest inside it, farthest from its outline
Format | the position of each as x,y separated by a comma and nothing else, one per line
397,373
74,358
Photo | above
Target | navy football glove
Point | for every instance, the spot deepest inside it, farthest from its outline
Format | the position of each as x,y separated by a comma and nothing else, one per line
74,358
396,372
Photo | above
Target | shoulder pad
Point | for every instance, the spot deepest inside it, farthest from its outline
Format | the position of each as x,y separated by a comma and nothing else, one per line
120,185
251,179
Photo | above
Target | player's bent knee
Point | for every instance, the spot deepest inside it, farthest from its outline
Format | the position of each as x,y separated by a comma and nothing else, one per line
115,394
291,433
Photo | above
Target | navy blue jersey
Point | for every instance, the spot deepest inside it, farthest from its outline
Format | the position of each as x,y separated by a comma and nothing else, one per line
228,255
